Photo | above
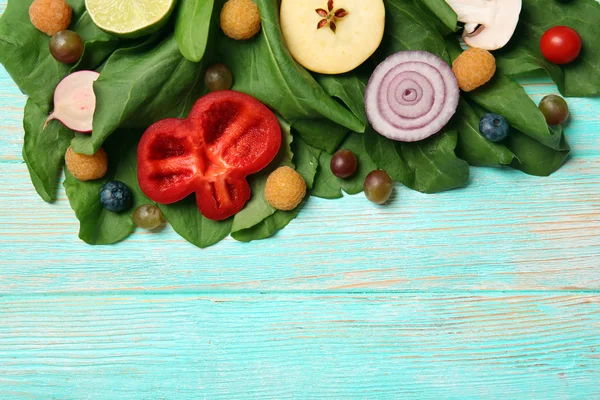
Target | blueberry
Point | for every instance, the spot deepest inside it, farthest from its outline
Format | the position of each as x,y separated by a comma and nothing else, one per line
115,196
493,127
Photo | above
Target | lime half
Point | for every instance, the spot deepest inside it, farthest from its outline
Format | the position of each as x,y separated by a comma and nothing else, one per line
130,18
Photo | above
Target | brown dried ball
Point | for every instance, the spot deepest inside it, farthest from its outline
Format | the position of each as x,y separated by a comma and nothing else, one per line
285,189
240,19
474,68
84,167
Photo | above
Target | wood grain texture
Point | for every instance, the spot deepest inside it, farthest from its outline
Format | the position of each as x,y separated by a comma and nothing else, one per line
298,346
492,291
506,231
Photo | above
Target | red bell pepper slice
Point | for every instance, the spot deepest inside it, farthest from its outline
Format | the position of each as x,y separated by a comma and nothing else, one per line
227,136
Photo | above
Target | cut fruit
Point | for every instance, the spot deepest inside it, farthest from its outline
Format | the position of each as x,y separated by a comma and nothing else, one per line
332,36
130,18
75,101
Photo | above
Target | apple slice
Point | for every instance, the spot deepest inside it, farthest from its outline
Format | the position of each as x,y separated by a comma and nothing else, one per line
332,36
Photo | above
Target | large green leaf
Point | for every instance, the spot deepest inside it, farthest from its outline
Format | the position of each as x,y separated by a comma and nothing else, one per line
139,86
97,225
534,158
98,45
387,155
472,146
579,78
443,12
435,165
306,159
328,186
349,88
321,134
262,67
44,150
408,27
191,225
192,26
507,98
267,227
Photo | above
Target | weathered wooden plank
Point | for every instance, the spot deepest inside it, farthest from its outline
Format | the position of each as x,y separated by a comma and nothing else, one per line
301,346
506,231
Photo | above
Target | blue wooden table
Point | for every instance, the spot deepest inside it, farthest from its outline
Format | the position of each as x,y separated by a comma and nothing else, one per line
492,291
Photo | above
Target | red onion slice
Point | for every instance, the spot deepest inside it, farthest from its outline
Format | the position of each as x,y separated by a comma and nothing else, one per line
411,96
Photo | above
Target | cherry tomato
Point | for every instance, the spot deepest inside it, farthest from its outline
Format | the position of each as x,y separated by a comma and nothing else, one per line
560,45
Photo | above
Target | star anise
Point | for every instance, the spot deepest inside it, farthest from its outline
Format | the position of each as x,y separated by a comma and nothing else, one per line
330,16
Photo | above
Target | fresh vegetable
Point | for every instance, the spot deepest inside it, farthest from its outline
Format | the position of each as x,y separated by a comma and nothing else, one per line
75,101
327,185
192,27
277,80
489,24
193,226
258,208
411,96
44,150
474,68
555,109
332,36
50,16
507,98
147,80
136,18
240,19
227,136
285,189
218,77
576,79
98,226
66,47
561,45
378,186
116,197
344,163
84,167
148,216
493,127
128,76
535,159
445,19
435,164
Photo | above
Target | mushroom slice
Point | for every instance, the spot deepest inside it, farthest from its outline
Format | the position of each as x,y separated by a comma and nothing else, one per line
489,24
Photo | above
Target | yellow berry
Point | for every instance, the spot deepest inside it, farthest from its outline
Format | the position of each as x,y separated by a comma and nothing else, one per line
285,189
474,68
240,19
50,16
84,167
